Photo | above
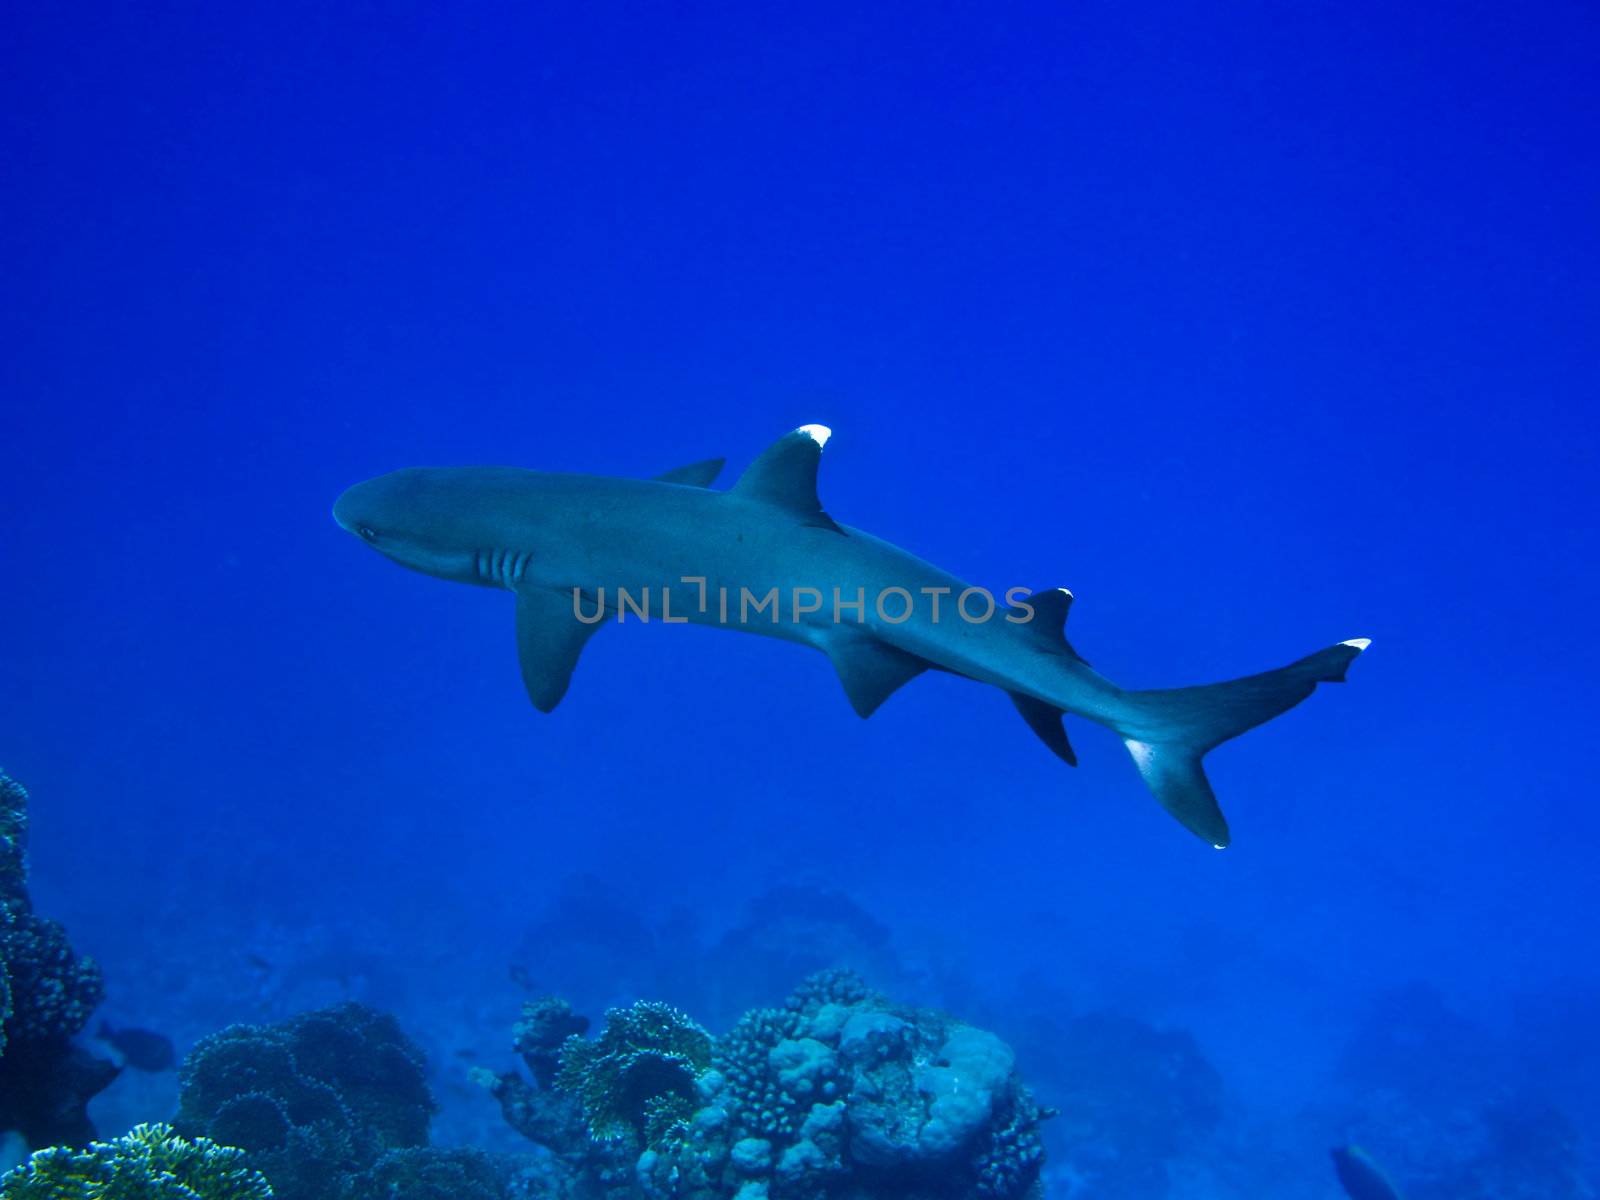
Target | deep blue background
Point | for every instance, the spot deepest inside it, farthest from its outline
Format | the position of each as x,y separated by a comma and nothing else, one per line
1258,326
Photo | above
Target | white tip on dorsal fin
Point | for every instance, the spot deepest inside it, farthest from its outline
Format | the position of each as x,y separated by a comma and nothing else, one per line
1358,643
785,475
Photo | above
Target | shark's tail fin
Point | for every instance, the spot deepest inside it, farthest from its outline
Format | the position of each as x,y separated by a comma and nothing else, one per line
1173,728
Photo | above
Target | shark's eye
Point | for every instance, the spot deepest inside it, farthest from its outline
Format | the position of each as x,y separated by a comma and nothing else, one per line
367,532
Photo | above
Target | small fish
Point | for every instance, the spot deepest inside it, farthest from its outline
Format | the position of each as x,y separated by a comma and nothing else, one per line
1360,1176
519,976
256,961
142,1049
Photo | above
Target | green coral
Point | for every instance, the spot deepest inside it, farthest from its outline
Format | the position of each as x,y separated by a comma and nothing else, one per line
637,1079
148,1163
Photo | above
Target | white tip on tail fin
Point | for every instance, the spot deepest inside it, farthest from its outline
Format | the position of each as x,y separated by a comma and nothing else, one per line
1171,730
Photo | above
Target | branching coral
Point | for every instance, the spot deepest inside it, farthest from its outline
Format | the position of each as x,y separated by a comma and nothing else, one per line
638,1077
149,1163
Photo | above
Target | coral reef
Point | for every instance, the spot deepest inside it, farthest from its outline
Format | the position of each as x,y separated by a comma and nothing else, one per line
313,1101
148,1163
839,1095
539,1036
639,1076
427,1173
47,993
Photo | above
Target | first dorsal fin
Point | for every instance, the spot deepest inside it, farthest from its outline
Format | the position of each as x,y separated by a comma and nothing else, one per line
785,475
696,474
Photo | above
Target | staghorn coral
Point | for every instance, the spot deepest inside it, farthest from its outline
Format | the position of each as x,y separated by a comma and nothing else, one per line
148,1163
321,1097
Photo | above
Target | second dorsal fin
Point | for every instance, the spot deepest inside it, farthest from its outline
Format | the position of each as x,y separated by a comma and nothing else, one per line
785,476
1050,608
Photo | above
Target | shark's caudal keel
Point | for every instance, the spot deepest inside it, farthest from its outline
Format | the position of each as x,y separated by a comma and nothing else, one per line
764,557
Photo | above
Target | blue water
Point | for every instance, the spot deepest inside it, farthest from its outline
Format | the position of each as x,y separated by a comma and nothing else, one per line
1257,327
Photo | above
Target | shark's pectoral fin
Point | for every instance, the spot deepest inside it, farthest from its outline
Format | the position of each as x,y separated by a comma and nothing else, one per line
695,474
870,670
785,476
549,639
1045,720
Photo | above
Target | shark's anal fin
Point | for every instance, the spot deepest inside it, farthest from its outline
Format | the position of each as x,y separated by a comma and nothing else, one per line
549,639
785,476
870,670
1045,720
695,474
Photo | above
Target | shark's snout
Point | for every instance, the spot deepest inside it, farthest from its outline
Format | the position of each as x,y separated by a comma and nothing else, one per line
353,510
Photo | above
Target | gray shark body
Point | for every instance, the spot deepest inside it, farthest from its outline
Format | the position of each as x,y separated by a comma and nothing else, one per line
582,551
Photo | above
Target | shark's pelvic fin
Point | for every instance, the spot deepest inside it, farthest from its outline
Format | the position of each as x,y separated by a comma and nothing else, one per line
1045,720
785,476
1176,726
695,474
549,639
870,670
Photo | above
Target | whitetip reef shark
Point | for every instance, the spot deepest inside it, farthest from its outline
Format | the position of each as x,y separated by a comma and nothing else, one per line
763,557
